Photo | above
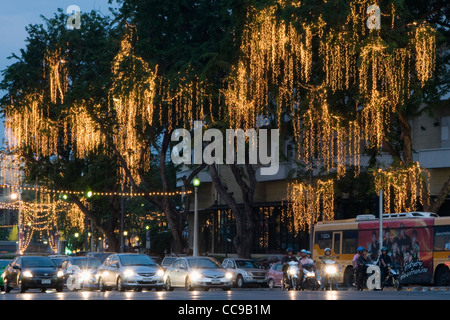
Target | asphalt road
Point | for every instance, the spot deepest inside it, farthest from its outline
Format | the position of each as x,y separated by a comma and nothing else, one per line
235,294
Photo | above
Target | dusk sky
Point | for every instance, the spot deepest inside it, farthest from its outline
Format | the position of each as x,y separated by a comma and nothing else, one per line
16,15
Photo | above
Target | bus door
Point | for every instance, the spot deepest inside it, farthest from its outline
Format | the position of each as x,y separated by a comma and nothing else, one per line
337,243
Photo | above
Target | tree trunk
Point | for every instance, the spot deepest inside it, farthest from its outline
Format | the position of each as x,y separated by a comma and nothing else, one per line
437,203
244,216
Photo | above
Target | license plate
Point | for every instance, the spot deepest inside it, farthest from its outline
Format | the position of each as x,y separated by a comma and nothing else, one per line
215,281
46,281
147,279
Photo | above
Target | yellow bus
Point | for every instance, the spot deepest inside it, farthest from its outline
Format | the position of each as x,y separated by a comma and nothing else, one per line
418,242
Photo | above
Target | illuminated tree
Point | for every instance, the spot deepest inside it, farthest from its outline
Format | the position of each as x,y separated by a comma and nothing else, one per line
345,87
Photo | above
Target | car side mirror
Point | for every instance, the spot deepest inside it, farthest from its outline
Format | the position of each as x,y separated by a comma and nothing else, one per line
182,267
16,267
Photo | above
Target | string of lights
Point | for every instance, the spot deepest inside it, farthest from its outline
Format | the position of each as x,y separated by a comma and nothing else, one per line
94,193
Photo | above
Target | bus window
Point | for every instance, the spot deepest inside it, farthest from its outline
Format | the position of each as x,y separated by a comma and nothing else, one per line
350,241
337,242
442,238
323,239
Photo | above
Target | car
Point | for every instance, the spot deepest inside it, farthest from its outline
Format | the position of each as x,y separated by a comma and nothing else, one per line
167,261
197,272
245,272
99,255
33,272
3,264
80,272
129,271
275,276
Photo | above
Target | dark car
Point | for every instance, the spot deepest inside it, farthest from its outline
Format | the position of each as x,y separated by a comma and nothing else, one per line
3,264
33,272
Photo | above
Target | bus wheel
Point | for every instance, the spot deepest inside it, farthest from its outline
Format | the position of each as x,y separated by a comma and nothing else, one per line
443,276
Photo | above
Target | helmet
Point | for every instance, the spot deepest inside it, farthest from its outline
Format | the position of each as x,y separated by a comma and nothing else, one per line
289,250
303,251
327,249
384,249
360,249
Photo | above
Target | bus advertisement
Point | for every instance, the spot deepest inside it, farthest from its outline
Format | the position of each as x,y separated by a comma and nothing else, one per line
419,244
409,243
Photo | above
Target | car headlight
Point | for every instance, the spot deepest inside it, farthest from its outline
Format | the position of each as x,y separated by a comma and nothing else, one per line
330,269
160,273
85,275
128,273
27,274
228,275
60,274
195,275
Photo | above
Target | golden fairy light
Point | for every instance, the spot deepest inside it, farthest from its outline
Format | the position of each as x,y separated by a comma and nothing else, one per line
132,96
57,75
308,204
29,127
425,45
276,63
274,53
404,189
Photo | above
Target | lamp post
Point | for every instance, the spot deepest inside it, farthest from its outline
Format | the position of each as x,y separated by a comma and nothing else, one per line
196,183
17,196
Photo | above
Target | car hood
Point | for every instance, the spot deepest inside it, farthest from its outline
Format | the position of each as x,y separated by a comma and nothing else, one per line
41,271
91,270
253,270
213,273
141,269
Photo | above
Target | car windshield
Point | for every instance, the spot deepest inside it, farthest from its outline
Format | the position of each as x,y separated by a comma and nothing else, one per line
246,264
136,260
168,261
204,264
85,263
57,261
4,263
37,262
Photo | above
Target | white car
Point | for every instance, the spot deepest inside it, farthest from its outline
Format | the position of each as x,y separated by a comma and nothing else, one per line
245,272
81,273
130,271
197,272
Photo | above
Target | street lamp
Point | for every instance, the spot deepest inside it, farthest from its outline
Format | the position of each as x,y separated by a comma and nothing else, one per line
17,196
196,183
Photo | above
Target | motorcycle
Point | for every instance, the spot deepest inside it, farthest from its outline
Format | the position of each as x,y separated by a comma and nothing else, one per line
309,280
392,278
290,278
330,274
362,283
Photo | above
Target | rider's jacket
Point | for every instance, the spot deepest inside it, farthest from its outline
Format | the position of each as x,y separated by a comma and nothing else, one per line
288,258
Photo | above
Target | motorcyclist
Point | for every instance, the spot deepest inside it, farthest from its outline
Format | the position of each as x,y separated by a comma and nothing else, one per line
361,263
384,262
305,260
287,258
355,265
301,254
323,258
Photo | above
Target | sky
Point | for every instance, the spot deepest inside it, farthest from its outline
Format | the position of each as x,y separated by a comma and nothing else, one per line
17,14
